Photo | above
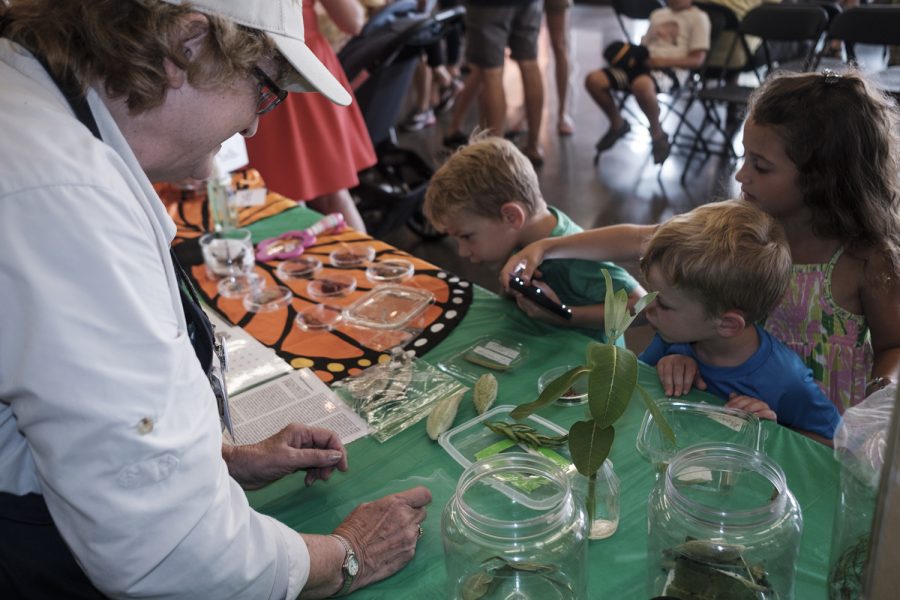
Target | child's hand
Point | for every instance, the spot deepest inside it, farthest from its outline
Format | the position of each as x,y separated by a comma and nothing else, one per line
751,405
678,373
537,312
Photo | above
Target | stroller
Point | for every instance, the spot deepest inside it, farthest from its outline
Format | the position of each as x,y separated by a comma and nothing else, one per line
380,62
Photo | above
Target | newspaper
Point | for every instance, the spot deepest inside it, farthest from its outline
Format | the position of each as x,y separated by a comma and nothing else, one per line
298,397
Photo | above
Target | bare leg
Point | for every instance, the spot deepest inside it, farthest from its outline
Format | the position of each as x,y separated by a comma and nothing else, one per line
470,91
493,99
558,28
645,93
341,202
597,86
533,87
422,86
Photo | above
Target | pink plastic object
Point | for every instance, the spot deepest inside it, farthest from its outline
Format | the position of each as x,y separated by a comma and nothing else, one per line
292,243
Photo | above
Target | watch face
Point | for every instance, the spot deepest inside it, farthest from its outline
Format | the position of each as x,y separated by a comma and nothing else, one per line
352,566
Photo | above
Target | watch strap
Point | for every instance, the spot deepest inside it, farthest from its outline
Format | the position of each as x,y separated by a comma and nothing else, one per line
348,576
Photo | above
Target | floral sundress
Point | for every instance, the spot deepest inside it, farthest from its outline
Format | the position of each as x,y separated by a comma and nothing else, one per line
832,341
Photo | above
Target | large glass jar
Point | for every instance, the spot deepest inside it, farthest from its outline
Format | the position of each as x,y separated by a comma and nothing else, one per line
722,523
513,530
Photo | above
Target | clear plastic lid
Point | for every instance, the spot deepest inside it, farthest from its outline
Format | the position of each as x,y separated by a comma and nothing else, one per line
389,306
302,267
320,317
390,270
331,286
268,299
490,354
352,256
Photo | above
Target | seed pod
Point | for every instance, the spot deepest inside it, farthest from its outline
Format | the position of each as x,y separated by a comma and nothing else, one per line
441,416
484,393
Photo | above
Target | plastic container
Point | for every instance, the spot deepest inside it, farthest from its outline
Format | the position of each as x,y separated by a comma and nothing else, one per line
472,441
574,396
722,523
388,306
696,423
489,354
514,530
392,270
351,256
302,267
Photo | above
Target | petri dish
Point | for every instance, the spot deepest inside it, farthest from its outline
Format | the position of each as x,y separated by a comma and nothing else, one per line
268,299
332,286
320,317
390,270
302,267
352,256
238,286
389,306
575,395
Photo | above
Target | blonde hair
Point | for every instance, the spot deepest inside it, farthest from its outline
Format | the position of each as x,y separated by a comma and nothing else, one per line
123,44
480,178
728,255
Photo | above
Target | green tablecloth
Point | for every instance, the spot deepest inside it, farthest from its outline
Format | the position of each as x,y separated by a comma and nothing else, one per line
617,564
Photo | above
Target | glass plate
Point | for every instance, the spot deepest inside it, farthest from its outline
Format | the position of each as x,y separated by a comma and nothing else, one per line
391,270
331,286
268,299
389,306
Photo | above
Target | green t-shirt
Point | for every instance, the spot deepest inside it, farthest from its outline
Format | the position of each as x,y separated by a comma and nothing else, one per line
580,282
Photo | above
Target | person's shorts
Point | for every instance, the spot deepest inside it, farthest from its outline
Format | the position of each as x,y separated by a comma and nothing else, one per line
664,80
557,6
491,29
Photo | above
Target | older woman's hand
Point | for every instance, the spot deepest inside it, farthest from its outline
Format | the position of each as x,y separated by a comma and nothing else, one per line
384,533
295,448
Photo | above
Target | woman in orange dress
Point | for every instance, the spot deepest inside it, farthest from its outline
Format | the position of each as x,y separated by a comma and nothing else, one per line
309,148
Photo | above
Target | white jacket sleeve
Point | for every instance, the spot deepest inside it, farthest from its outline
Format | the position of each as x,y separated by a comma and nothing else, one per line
114,412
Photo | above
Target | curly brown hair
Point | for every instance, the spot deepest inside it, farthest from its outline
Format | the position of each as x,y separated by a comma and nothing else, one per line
123,43
842,134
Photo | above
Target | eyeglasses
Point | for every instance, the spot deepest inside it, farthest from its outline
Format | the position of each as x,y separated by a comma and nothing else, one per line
270,95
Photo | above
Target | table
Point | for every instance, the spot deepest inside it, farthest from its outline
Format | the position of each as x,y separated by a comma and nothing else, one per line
617,564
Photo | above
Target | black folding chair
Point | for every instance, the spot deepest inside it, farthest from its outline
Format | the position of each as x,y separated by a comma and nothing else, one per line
770,23
877,25
635,10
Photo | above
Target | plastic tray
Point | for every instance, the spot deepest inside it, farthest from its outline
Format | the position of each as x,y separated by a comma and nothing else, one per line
695,423
388,306
465,441
501,353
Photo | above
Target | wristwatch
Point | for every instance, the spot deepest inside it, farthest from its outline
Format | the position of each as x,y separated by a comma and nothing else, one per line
350,566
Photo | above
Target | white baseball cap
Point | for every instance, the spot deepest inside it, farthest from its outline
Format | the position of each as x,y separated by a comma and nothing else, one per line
282,21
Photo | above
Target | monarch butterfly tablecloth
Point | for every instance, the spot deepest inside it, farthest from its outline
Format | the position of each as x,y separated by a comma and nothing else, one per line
347,349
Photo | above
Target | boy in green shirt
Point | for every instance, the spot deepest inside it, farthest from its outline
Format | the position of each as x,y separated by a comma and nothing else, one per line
487,197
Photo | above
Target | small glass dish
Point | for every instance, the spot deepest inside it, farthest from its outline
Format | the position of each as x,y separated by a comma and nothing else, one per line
268,299
302,267
332,286
574,396
696,423
351,256
238,286
319,317
389,306
390,270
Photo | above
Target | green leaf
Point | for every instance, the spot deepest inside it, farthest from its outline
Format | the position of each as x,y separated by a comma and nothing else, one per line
611,384
664,428
596,352
552,392
643,302
609,308
589,446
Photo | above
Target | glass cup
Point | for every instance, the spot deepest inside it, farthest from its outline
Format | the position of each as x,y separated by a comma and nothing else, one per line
228,256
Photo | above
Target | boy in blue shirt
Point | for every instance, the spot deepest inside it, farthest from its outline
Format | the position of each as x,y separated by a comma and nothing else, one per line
487,197
719,270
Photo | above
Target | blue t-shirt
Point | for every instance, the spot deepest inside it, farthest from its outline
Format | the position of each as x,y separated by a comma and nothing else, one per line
774,374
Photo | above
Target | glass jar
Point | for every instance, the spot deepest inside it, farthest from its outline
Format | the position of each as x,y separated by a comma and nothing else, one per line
722,523
601,504
513,530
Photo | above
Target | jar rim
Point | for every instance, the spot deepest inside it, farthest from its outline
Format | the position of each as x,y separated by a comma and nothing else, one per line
698,454
520,462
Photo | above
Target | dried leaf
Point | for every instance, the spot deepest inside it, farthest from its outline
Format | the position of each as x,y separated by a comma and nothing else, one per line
442,415
484,393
